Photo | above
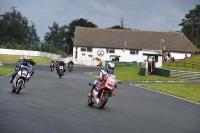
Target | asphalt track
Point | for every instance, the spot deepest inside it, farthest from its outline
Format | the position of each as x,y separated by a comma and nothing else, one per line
51,105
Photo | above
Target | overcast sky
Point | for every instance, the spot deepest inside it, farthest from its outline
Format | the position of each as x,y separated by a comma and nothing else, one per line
146,15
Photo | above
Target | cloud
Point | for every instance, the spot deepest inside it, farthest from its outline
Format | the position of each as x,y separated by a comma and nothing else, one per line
105,9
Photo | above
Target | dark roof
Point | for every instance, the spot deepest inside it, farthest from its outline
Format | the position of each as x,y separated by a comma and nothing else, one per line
116,38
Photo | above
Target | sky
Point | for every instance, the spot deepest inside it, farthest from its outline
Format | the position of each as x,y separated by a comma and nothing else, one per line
145,15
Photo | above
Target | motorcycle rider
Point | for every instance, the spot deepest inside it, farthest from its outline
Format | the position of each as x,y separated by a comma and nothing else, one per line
61,63
23,67
31,62
70,63
109,69
19,63
51,63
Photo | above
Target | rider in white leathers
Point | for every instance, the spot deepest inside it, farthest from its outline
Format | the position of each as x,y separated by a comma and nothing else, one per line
109,69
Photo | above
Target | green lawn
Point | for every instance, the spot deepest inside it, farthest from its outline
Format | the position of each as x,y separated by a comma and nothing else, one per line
131,74
6,70
186,91
191,91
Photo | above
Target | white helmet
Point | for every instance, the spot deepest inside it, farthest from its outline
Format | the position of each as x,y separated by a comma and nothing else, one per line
110,67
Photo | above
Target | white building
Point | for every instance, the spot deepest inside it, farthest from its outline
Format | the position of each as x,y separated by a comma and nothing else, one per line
128,45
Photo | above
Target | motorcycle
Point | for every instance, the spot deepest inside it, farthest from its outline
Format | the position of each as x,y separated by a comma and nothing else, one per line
19,81
32,69
51,67
60,72
70,68
106,88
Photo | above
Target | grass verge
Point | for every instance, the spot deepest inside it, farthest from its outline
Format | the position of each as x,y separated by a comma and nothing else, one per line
6,70
186,91
130,74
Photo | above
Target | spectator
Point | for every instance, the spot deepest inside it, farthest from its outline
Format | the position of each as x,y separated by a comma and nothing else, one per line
185,56
172,59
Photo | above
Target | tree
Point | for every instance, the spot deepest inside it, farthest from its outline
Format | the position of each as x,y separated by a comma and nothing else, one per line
33,39
14,29
191,26
116,27
71,29
121,26
122,22
57,36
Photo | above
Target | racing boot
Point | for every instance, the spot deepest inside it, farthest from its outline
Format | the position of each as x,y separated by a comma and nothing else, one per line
95,93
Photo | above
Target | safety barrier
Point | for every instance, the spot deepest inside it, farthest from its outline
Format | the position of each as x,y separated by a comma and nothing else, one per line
124,64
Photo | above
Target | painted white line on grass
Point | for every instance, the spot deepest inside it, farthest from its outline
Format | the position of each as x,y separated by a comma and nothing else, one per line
158,81
169,95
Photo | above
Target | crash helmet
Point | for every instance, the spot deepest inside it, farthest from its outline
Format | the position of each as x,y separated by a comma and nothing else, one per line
110,67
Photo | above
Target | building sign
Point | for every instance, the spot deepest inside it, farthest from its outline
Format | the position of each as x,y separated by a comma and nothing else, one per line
100,53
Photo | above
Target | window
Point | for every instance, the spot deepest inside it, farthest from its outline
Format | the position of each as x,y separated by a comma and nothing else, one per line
89,49
86,49
83,48
133,51
110,50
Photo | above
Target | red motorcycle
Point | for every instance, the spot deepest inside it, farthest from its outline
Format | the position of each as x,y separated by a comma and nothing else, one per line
106,88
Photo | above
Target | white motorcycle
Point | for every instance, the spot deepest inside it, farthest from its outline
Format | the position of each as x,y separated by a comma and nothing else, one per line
19,81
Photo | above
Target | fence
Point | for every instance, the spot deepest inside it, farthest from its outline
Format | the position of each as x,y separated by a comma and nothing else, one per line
174,74
185,63
124,64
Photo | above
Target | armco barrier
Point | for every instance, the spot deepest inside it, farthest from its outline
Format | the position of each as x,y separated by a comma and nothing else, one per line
29,53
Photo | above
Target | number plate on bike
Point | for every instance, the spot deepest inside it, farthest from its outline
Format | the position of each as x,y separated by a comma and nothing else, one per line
24,73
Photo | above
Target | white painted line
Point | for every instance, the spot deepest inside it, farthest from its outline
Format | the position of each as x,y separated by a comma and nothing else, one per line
6,75
171,81
158,81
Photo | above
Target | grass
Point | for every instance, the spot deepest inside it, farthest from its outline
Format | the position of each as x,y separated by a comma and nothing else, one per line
195,58
15,58
6,69
131,74
186,91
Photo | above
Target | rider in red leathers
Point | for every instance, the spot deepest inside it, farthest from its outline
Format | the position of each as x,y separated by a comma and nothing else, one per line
98,83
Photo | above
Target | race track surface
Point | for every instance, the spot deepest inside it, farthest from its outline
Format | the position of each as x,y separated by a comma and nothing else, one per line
49,104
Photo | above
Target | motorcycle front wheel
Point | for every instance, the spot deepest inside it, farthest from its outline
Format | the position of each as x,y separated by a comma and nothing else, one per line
90,103
103,101
20,86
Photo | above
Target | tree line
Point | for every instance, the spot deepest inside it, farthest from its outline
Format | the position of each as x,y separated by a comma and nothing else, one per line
16,32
